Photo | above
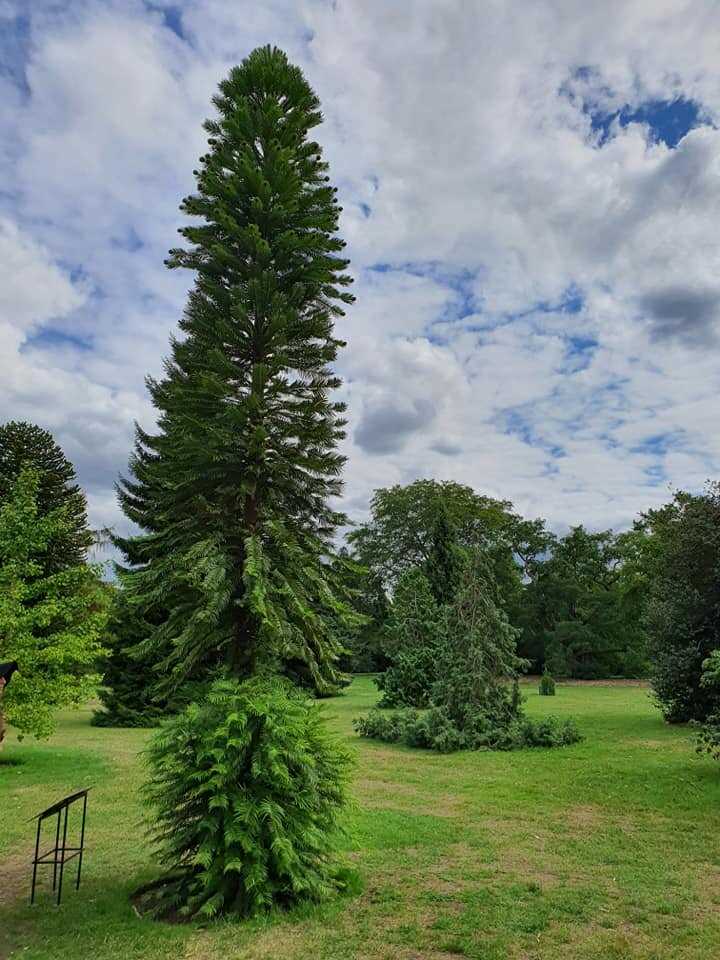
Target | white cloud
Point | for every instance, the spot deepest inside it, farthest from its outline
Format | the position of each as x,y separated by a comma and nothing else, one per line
467,167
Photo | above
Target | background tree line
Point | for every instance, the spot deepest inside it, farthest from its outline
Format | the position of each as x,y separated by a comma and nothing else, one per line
575,600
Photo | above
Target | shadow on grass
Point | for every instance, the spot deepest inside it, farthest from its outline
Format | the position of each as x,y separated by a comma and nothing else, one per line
11,761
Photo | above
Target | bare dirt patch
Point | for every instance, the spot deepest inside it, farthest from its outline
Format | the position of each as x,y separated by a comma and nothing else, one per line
583,817
15,878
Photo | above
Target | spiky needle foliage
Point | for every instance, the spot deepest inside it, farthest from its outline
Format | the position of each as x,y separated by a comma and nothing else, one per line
414,632
474,700
127,695
233,493
27,446
246,788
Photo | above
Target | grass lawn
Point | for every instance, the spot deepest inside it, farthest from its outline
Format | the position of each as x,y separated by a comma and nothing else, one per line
608,849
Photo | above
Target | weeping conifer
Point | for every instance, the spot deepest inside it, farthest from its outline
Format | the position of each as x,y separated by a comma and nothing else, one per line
233,492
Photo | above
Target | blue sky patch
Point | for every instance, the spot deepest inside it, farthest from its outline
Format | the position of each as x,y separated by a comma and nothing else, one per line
513,422
668,120
461,281
657,445
579,353
49,338
130,241
172,17
14,49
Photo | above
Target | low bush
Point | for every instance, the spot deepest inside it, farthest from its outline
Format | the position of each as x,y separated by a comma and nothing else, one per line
433,729
245,792
547,685
708,739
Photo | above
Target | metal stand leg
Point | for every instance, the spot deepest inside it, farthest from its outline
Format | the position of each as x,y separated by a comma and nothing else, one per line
82,843
35,864
62,857
57,840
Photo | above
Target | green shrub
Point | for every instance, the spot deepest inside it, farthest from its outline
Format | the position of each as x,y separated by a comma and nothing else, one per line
408,682
549,732
245,792
128,694
708,739
434,729
547,685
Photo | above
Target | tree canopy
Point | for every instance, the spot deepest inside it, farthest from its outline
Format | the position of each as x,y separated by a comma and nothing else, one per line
50,623
682,613
403,519
25,445
578,614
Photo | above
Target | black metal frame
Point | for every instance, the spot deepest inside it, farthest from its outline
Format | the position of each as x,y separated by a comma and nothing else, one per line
59,855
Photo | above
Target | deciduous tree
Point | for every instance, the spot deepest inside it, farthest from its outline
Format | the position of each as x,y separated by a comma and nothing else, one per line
50,623
683,605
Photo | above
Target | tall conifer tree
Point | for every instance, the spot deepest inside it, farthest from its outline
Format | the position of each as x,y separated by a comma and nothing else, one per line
233,493
27,446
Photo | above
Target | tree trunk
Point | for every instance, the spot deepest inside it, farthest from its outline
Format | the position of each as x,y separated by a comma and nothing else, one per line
242,652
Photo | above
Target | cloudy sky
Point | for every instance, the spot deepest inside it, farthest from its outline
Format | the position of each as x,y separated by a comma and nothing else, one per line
531,199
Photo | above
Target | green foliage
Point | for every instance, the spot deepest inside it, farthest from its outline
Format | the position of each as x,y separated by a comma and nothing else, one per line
683,606
404,524
577,601
233,493
546,687
26,446
51,623
434,730
414,643
362,641
233,571
245,793
474,700
708,740
581,613
478,663
429,729
433,525
129,694
445,561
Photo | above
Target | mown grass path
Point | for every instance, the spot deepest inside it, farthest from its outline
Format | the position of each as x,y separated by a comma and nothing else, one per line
608,849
